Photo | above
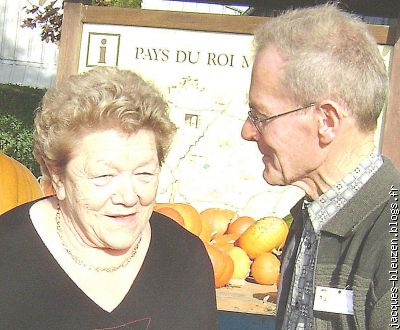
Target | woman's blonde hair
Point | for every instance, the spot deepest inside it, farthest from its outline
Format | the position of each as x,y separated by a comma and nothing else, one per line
99,99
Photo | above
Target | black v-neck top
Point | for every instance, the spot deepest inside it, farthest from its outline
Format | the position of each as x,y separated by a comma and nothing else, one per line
173,290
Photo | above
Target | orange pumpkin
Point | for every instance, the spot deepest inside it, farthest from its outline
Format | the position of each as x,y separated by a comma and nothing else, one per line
218,218
222,265
190,215
224,239
173,214
264,235
240,225
224,247
205,234
158,206
17,184
265,269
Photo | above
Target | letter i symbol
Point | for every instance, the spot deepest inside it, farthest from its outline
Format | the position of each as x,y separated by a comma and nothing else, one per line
102,58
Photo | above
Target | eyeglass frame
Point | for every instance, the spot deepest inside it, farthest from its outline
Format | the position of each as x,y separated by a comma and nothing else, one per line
257,119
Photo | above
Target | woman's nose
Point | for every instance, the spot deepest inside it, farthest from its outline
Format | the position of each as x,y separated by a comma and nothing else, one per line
126,191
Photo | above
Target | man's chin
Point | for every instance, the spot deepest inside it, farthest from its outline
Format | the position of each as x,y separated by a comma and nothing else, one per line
273,178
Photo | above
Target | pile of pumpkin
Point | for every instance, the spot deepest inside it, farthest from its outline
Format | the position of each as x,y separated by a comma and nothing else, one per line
240,247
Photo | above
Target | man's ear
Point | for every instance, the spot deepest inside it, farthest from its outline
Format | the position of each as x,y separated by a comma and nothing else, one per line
329,120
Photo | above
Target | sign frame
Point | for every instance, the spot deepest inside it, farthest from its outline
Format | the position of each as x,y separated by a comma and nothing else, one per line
77,14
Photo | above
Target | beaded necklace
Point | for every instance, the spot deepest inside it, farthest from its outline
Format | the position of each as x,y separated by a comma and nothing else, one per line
80,262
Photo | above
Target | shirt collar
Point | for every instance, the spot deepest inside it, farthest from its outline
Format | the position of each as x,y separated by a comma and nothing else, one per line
328,204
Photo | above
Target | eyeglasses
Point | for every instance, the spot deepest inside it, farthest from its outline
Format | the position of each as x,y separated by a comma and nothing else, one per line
258,119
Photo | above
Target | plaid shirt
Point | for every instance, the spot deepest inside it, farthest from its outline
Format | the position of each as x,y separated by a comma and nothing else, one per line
316,214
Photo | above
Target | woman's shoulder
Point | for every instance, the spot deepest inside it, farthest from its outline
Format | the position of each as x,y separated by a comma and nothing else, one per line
17,234
171,234
176,248
16,215
166,226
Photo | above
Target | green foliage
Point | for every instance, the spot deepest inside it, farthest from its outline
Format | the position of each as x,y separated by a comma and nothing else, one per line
20,101
17,107
16,142
118,3
48,16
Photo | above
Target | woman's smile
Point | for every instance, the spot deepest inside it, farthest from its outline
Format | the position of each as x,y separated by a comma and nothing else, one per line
124,218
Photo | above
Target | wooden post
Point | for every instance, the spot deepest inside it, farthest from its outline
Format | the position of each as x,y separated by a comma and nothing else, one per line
71,34
391,120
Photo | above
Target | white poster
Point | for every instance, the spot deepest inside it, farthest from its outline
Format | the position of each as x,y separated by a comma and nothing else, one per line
205,77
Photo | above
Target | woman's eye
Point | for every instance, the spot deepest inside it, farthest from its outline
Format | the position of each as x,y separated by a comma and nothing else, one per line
102,180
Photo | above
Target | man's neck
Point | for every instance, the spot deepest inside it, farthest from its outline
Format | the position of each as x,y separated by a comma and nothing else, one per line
341,159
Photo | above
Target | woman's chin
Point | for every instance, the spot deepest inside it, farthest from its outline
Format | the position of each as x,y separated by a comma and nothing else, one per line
118,247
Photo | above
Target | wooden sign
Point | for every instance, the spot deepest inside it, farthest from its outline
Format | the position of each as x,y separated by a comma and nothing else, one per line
202,64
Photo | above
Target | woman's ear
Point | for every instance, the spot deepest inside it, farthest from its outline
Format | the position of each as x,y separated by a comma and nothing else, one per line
329,119
57,182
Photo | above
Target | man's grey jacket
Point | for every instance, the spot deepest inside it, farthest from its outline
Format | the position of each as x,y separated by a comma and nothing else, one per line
355,253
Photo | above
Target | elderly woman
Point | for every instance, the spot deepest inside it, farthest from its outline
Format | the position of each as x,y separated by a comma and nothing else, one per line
95,255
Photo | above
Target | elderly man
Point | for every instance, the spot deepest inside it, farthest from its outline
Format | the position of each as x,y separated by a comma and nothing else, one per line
318,86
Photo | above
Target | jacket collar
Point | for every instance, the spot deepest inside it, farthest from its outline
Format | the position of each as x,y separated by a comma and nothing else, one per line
374,193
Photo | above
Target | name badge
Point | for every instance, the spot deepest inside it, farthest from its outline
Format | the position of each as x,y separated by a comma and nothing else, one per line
333,300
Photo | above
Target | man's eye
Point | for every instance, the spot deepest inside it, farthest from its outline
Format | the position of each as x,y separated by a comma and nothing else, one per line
145,176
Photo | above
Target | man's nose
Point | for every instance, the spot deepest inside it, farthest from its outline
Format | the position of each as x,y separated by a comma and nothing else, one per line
249,131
